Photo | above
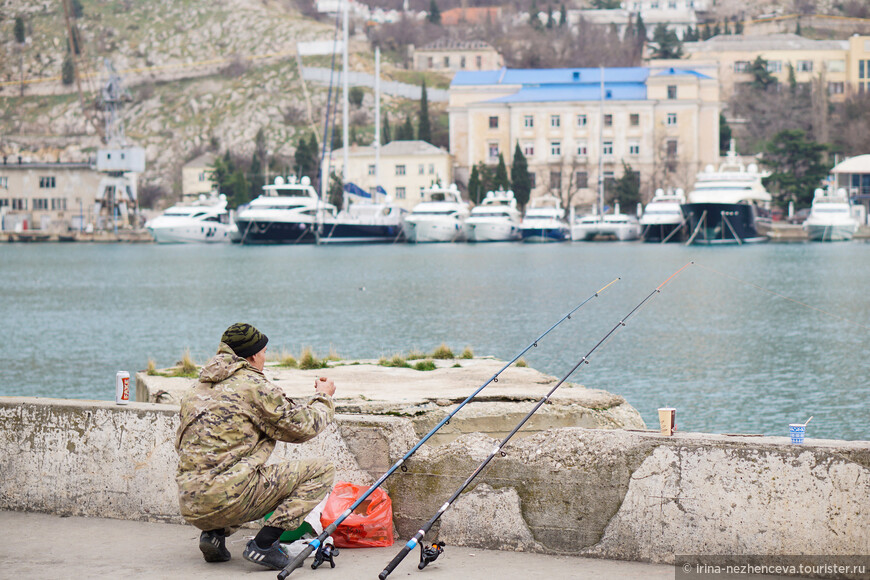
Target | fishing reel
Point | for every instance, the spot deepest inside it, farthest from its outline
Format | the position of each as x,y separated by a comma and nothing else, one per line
325,553
430,554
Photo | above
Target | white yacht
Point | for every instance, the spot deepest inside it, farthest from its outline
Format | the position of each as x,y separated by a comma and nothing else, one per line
204,221
287,212
830,218
622,226
440,217
496,219
364,222
662,218
728,204
544,221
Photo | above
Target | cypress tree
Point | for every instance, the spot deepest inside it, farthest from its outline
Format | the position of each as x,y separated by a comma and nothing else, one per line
522,182
385,131
407,130
434,13
549,16
501,176
563,15
474,185
738,27
20,32
424,130
67,72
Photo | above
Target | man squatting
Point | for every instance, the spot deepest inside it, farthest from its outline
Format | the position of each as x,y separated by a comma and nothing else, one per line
230,420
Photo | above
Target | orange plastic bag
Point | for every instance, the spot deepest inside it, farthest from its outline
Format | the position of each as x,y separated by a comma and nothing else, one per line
371,523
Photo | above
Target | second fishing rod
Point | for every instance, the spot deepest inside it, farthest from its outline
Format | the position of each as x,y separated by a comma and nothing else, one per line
429,554
318,542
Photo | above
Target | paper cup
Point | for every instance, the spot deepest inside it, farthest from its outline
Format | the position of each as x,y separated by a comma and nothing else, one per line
797,431
667,421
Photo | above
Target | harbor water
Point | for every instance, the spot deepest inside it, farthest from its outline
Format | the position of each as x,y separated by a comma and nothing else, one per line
747,340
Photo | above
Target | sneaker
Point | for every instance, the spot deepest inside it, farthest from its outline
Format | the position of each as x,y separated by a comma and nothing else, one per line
213,547
273,557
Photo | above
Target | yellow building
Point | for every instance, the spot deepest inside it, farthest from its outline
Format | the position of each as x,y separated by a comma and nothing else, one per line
663,123
196,177
842,66
406,169
51,197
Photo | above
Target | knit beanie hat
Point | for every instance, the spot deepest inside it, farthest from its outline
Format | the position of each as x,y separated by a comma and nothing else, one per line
244,339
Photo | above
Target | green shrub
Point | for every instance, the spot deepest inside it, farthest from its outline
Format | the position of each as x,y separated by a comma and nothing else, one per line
425,365
522,363
443,352
397,361
308,360
151,370
467,353
415,354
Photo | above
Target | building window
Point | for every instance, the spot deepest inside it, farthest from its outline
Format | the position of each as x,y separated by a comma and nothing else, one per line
372,169
431,62
607,148
609,180
529,150
492,150
4,182
421,169
400,170
555,148
201,176
672,92
672,119
46,182
634,119
58,203
533,179
4,202
836,66
672,154
555,121
654,5
446,62
493,122
836,88
860,69
582,179
555,180
741,66
40,203
672,5
582,150
529,121
400,193
19,203
581,120
805,66
431,169
774,66
479,61
608,120
462,62
634,148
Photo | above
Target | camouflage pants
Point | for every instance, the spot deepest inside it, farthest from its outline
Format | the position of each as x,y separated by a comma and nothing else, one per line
291,489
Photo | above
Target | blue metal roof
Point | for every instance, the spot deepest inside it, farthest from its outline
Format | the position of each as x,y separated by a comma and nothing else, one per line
682,71
526,77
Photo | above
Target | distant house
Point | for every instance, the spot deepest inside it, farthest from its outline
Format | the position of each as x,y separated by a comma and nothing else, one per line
406,169
196,177
843,65
676,15
52,197
445,55
479,15
853,175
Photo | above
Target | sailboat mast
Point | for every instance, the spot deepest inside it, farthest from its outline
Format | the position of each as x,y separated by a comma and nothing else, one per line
344,79
601,148
377,119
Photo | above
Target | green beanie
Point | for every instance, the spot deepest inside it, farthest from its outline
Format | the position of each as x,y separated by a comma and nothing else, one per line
244,339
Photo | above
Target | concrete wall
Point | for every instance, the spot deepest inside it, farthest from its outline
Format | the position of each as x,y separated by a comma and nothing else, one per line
630,495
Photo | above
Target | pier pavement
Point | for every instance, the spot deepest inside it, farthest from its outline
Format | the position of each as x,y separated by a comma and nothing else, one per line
37,546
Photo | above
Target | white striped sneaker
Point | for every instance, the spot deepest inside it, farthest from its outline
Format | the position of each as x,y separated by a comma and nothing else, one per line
274,557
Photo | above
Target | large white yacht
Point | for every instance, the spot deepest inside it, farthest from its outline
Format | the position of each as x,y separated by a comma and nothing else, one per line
727,204
287,212
662,218
544,221
204,221
830,218
496,219
440,217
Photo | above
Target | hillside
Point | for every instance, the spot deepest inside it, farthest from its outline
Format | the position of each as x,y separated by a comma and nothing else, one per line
202,75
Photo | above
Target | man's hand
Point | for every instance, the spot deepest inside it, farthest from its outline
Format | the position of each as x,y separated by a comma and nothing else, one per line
325,386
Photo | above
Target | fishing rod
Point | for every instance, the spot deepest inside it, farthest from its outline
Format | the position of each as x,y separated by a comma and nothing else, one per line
317,543
429,554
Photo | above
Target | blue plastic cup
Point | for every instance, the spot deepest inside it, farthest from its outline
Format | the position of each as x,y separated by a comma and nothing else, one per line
797,432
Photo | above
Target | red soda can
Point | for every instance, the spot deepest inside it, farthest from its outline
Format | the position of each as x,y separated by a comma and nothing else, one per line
122,387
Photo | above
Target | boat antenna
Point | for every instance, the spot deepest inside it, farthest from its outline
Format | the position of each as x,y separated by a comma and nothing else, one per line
601,147
344,105
428,554
377,120
317,543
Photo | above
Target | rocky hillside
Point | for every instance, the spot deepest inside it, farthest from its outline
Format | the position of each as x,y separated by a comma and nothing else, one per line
202,75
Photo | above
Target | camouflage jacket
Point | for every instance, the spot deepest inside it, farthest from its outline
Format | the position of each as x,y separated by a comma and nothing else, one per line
230,420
